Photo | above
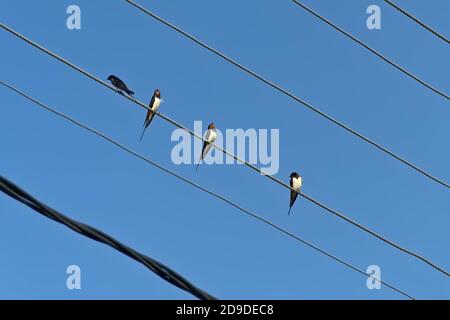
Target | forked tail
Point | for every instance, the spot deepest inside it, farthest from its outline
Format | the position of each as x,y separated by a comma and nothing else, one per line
142,135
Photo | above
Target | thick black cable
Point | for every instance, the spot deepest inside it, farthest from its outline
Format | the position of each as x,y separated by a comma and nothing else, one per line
379,55
158,268
291,95
201,188
423,25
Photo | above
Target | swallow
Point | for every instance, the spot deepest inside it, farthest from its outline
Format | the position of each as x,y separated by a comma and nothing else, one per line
154,104
210,137
119,84
296,184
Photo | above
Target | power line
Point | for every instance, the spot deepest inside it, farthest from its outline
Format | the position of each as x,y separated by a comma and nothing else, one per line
395,6
291,95
323,206
392,63
197,186
158,268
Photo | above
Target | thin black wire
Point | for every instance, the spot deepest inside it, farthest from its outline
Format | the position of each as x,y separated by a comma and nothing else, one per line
197,186
437,34
328,209
291,95
160,269
392,63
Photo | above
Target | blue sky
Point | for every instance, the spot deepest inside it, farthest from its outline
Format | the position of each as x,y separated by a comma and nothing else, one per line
223,252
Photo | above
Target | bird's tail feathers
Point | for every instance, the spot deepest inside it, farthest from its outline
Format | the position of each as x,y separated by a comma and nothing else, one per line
143,131
199,161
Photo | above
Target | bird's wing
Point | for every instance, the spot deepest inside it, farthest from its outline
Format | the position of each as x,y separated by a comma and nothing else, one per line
150,113
123,86
208,135
149,118
152,101
120,84
205,150
294,195
207,143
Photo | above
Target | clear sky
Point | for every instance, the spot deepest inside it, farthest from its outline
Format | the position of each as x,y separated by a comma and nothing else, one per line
216,247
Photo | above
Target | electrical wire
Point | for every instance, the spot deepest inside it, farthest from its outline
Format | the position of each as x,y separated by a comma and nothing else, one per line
326,208
199,187
403,11
392,63
158,268
292,96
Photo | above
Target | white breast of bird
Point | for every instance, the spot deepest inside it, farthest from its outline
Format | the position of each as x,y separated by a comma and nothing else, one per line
156,104
210,136
297,183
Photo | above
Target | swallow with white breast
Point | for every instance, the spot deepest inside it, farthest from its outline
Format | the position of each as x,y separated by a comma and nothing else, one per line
210,137
296,184
154,104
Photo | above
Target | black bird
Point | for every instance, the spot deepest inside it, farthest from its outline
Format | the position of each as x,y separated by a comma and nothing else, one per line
154,104
296,184
119,84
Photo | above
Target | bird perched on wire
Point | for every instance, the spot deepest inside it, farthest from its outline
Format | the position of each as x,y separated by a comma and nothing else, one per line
210,137
296,184
119,84
154,104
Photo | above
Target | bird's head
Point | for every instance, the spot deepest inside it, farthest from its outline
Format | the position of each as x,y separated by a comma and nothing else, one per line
157,93
294,175
110,77
211,126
